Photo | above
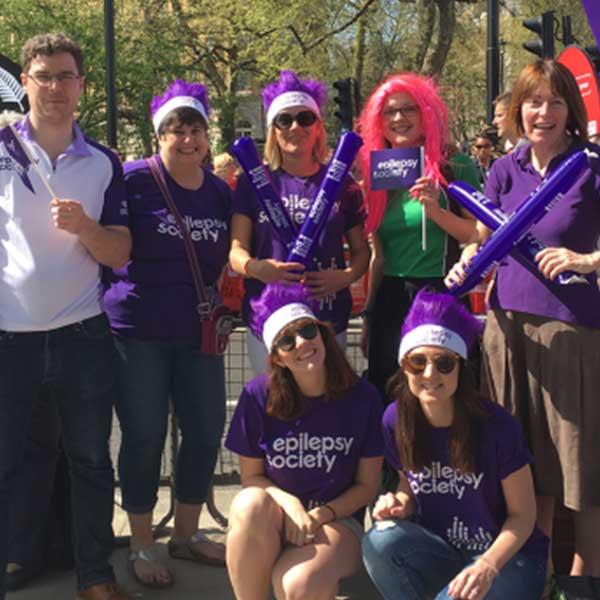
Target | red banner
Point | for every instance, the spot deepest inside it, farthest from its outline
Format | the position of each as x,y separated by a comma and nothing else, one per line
579,63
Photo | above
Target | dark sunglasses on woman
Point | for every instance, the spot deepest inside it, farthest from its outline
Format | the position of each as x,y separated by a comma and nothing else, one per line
416,363
304,118
287,342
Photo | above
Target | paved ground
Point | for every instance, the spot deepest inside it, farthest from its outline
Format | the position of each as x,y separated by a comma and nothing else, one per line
194,582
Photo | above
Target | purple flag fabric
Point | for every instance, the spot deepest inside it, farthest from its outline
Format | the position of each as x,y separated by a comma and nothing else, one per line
592,8
396,168
15,151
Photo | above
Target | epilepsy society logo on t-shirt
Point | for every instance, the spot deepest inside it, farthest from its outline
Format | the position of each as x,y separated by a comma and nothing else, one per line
438,479
306,451
200,229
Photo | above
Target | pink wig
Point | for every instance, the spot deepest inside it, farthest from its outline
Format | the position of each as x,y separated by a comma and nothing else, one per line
434,117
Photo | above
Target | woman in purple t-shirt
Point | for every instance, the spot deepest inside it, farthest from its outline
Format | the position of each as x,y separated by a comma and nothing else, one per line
295,150
152,306
309,445
461,523
542,338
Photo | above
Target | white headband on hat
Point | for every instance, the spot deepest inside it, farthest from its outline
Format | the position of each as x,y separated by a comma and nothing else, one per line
289,99
284,316
177,102
432,335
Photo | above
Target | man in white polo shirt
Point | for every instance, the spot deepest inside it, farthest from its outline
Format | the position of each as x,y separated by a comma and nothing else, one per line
53,333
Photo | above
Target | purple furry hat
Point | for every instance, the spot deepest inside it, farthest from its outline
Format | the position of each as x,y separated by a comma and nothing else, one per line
438,320
278,306
290,90
179,94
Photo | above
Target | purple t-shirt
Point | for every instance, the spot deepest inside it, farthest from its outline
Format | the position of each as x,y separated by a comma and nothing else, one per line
573,223
467,510
297,194
153,297
314,456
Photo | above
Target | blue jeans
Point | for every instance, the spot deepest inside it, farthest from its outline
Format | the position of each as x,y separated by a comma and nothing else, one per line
77,363
408,562
150,374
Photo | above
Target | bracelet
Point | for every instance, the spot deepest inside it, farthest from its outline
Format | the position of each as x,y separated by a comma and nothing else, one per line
332,512
246,265
487,563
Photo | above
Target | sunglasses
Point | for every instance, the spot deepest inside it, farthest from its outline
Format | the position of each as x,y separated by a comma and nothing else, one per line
481,146
304,118
287,342
416,363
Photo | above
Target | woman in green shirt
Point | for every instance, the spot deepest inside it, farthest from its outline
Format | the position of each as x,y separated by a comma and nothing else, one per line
405,111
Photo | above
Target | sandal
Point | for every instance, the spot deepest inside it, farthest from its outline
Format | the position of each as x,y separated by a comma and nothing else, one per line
184,550
148,555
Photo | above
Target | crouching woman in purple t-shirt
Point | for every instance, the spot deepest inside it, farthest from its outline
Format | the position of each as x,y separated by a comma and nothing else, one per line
461,524
309,439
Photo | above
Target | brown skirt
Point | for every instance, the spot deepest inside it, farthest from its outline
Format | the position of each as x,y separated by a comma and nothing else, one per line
547,374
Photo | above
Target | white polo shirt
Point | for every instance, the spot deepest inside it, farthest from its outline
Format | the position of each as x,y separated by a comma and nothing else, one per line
47,277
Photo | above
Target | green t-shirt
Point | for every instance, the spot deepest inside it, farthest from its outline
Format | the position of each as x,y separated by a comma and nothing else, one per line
400,230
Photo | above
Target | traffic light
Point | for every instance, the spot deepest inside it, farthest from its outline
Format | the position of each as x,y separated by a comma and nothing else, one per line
544,27
345,112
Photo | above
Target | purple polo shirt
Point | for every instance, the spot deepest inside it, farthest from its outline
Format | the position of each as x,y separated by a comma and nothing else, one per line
153,297
467,510
573,223
297,194
315,456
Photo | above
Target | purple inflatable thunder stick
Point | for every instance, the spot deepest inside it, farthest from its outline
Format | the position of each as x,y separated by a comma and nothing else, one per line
510,232
258,175
492,217
308,236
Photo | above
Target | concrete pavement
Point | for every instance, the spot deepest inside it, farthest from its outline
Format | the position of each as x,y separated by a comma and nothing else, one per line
193,581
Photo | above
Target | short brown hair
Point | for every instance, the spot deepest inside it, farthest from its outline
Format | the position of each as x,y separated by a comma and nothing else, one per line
503,98
183,115
48,44
285,400
562,83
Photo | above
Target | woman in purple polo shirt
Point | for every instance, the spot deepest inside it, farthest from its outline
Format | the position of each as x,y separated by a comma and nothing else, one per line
542,338
295,151
309,439
462,521
151,303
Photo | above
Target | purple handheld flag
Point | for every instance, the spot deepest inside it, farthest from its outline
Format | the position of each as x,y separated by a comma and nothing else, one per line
396,168
15,150
321,206
511,231
245,151
491,216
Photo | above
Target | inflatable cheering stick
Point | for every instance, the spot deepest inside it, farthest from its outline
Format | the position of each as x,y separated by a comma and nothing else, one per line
322,203
245,151
492,217
507,236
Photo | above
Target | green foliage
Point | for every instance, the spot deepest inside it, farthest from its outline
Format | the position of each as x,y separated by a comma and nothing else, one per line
235,45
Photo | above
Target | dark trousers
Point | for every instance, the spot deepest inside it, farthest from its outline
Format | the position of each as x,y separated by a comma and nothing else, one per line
392,301
77,363
39,524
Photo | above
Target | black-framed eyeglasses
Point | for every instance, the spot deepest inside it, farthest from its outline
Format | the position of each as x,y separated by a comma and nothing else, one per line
305,118
45,79
287,342
410,111
416,363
